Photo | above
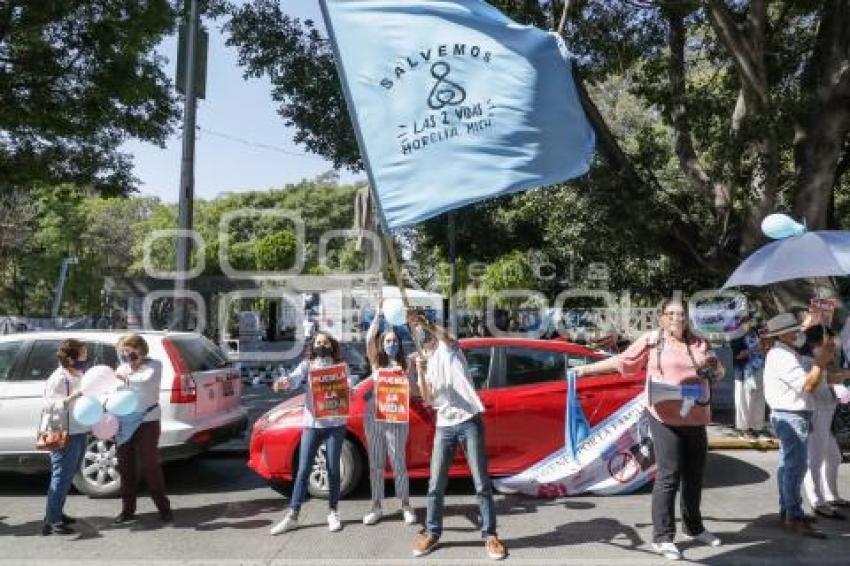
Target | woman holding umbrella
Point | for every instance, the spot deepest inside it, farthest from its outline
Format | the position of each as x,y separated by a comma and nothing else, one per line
673,356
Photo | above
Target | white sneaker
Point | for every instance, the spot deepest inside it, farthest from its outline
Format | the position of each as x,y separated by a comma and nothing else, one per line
289,522
706,537
409,516
373,516
334,524
668,550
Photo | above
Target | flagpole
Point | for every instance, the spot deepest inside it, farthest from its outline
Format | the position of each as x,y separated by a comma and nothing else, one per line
382,221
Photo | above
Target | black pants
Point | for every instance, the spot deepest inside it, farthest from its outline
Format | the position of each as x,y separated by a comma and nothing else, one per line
143,444
680,455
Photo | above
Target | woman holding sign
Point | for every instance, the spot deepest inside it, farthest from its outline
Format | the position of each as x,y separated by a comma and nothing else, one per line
674,360
326,404
387,418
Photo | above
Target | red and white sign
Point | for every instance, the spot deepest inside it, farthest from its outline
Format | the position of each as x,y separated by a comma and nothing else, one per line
392,396
330,391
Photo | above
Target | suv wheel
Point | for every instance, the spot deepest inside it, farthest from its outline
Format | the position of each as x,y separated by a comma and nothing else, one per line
98,475
350,471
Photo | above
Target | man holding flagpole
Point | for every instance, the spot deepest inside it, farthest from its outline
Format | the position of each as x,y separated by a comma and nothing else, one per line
453,103
443,370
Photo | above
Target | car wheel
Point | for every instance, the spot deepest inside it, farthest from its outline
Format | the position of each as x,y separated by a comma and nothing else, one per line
98,475
350,471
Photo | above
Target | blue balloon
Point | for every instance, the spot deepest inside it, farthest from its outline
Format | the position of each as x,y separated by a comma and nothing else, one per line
778,226
122,403
87,411
394,312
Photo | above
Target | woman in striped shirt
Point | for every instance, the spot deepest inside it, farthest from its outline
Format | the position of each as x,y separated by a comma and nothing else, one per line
385,352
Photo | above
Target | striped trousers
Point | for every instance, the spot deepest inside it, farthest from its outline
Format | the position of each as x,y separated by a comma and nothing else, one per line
387,438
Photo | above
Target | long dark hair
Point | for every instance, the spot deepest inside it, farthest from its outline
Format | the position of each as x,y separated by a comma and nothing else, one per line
814,338
382,359
310,350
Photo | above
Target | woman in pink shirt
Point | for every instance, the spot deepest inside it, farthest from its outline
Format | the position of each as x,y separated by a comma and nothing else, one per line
674,356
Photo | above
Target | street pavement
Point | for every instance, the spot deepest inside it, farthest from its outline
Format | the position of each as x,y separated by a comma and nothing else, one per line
223,513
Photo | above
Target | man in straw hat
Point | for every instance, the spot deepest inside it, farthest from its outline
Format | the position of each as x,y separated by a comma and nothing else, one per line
787,390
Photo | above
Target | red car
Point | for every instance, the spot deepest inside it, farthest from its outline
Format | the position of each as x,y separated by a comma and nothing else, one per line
521,383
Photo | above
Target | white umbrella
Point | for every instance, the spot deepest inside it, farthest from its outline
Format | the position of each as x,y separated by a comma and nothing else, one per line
812,254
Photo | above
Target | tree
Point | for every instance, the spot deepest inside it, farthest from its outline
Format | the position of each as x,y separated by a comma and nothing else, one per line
276,252
735,110
78,78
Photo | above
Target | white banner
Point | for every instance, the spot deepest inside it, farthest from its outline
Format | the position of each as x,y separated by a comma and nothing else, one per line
615,458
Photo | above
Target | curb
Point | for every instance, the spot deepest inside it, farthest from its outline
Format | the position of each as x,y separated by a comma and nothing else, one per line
741,444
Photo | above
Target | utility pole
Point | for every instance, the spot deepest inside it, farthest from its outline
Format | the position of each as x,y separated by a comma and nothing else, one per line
60,285
187,167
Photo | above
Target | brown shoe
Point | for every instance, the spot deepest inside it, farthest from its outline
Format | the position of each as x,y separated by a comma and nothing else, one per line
425,542
803,528
496,549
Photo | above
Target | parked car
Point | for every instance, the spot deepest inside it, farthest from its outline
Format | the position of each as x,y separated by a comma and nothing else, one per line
200,400
522,384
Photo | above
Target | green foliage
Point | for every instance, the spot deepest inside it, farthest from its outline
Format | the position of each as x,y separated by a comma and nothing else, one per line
276,252
77,78
109,236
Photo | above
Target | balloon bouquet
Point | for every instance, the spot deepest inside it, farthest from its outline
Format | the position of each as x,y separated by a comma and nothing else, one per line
105,399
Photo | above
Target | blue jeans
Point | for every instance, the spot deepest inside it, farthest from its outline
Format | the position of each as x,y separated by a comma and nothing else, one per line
311,439
63,466
470,434
792,430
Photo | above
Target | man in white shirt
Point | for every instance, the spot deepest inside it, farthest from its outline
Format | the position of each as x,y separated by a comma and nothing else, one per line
787,390
446,384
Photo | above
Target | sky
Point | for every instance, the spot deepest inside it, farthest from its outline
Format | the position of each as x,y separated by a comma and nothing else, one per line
235,108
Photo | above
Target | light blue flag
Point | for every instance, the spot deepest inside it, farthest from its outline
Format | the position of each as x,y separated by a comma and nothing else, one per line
453,103
576,425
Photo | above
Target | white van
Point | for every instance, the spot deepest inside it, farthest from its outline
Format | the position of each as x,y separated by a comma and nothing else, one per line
200,400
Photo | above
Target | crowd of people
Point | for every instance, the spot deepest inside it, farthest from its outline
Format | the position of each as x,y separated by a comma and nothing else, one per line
789,365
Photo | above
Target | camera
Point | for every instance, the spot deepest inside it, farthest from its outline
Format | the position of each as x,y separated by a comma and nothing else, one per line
708,373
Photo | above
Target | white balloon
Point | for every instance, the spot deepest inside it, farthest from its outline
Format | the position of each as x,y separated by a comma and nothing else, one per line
394,312
99,381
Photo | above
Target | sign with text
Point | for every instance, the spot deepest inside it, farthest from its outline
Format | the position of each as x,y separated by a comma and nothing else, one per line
329,388
392,396
823,310
452,103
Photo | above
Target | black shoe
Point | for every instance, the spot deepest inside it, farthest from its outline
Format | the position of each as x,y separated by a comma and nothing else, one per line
66,520
58,529
830,512
124,518
166,516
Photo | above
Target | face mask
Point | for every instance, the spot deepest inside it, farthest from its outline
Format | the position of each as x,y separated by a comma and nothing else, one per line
81,365
323,351
128,358
391,349
800,340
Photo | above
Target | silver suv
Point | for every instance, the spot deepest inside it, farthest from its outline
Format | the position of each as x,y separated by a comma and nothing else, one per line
200,400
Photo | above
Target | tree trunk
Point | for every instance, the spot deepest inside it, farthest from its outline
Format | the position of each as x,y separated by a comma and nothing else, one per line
823,128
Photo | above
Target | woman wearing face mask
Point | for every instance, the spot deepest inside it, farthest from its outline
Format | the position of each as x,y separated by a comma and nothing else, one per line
385,352
673,356
322,352
60,393
144,376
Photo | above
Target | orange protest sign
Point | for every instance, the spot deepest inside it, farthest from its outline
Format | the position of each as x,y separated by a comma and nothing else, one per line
392,396
329,388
